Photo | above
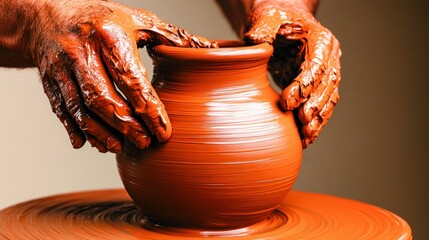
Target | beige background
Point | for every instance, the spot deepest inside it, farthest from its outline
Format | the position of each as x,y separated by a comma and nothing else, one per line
374,149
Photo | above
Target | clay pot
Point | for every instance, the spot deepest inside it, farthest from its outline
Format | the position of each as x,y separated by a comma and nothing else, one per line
233,155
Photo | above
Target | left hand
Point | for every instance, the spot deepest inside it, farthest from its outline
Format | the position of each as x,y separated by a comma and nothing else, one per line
305,62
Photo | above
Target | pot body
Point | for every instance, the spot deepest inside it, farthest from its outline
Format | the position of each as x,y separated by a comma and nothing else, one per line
233,155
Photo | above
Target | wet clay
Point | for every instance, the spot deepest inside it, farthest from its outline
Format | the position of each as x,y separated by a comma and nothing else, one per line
112,215
305,63
87,55
233,154
86,52
98,88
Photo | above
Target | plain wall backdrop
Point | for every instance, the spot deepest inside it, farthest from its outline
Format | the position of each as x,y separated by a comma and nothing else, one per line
374,149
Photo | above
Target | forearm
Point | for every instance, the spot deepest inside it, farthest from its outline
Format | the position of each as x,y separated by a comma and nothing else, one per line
16,18
305,5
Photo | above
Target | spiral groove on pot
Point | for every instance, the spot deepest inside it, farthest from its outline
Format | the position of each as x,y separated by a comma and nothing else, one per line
233,155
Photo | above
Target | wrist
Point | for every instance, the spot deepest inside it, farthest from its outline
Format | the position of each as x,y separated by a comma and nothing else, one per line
55,19
15,31
307,6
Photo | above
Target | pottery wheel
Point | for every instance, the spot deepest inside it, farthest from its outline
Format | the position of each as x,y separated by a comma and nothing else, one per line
110,214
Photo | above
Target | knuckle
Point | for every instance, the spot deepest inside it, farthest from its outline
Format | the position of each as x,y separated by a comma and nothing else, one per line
43,67
111,35
58,111
93,101
92,98
335,99
82,119
307,131
72,105
150,106
55,100
83,27
101,149
64,56
335,41
107,31
133,83
332,75
46,84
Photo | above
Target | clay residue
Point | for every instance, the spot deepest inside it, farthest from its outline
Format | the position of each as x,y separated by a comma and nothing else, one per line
306,59
305,63
92,73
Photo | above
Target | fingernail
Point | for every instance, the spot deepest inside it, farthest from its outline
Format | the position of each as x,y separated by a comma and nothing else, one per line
102,149
113,145
142,141
99,147
214,44
288,104
252,38
76,141
291,103
307,141
304,143
163,134
290,98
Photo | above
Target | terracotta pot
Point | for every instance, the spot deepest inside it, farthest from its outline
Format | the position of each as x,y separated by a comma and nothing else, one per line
233,155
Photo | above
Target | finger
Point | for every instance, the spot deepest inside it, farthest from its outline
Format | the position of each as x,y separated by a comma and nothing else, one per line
311,130
318,52
264,23
322,93
96,133
149,29
101,97
315,113
51,89
290,31
123,61
96,143
318,98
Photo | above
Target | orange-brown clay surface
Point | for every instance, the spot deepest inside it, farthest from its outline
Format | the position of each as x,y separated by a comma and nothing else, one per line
233,154
306,59
87,55
111,214
86,52
305,63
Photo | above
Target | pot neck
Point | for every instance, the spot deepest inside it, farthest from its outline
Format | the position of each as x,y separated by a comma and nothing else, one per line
224,66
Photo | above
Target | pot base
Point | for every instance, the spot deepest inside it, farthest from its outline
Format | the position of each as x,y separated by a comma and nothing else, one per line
110,214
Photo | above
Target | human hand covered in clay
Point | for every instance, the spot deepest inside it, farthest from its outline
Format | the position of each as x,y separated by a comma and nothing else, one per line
86,51
305,63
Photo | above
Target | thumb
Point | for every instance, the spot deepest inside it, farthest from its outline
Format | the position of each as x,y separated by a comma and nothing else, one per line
163,33
263,25
149,29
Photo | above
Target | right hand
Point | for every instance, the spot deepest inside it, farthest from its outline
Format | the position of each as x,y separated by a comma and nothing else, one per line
305,62
87,54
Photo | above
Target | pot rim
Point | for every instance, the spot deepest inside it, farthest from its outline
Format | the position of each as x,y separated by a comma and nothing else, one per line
229,50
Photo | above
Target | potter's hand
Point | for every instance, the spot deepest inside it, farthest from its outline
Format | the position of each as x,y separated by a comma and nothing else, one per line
86,51
305,63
